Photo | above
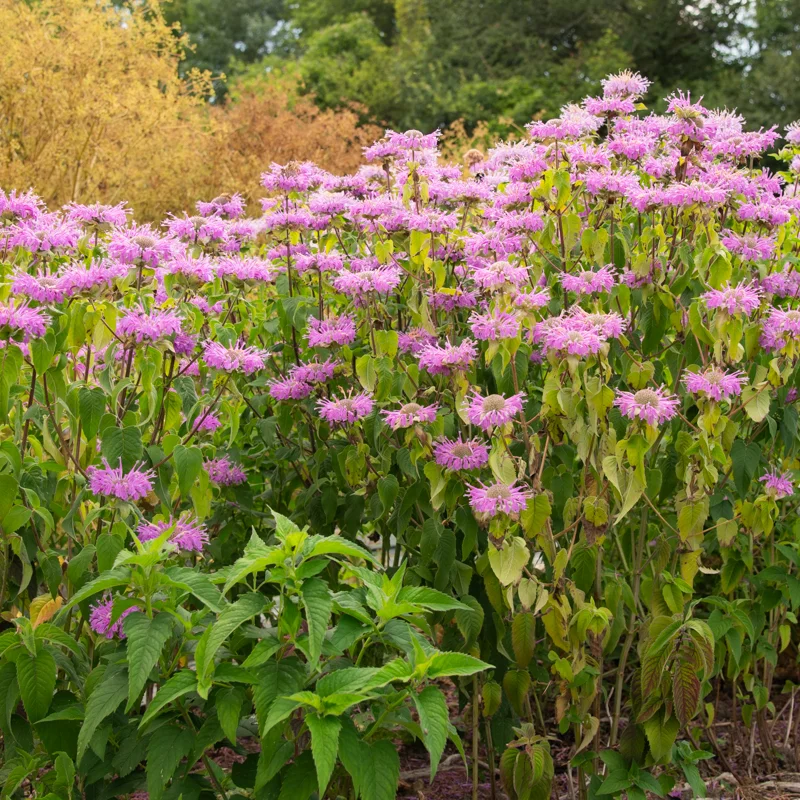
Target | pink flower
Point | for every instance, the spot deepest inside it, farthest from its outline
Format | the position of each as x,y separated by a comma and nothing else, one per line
45,233
199,269
715,383
448,358
223,472
778,485
336,330
528,301
749,246
498,498
499,325
493,410
654,406
345,410
315,371
414,339
43,287
209,422
742,299
140,243
187,532
381,280
226,205
15,206
291,388
499,274
456,454
98,216
625,84
100,619
149,325
589,281
113,482
409,414
572,341
235,358
21,320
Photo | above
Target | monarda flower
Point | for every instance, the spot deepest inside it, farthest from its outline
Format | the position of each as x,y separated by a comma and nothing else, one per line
100,619
226,205
715,383
149,326
97,216
223,472
499,325
381,280
456,454
197,270
414,339
19,320
14,206
140,244
572,341
498,498
44,234
43,287
654,406
209,422
187,532
448,358
529,301
235,358
493,410
345,410
327,332
778,485
625,84
589,281
742,299
289,388
114,482
499,274
749,246
409,414
314,371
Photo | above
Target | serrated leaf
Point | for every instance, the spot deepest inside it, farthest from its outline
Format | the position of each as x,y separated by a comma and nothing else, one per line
685,691
103,701
300,781
122,446
179,684
91,407
188,465
433,719
442,665
145,640
318,604
661,735
165,750
324,746
229,704
523,630
36,677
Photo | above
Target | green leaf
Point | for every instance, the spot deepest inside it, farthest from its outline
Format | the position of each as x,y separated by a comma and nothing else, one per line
91,407
228,703
338,545
745,459
122,446
535,515
522,637
188,465
318,604
165,750
8,492
375,768
277,679
36,676
433,718
324,746
685,691
617,781
756,403
508,562
234,615
179,684
198,584
108,580
661,735
145,640
300,781
443,665
103,701
430,598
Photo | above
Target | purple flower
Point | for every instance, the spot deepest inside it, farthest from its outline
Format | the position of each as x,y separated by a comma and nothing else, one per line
414,339
291,388
336,330
778,485
200,270
499,274
43,287
246,269
314,371
15,206
209,422
625,84
654,406
226,205
223,472
380,280
409,414
113,482
749,246
149,325
98,216
345,410
456,454
589,281
572,341
44,233
715,383
100,619
499,325
239,358
498,498
448,358
493,410
742,299
528,301
140,244
20,320
187,532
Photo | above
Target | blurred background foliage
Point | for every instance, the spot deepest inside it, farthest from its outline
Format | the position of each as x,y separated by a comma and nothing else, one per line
165,102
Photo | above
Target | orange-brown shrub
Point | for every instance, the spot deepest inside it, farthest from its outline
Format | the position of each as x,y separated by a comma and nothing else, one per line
92,108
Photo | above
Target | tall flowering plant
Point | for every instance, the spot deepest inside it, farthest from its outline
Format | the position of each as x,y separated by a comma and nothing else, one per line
527,423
